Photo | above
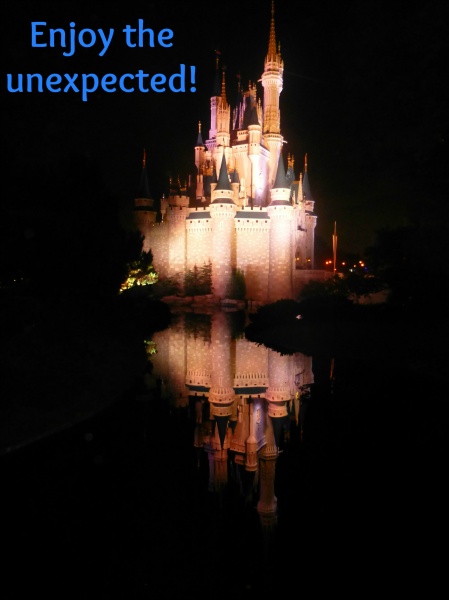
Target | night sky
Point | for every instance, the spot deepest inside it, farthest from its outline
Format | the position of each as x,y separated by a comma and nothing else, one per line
365,96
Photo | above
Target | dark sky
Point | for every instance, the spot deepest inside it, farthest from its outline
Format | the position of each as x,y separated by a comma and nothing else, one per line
365,96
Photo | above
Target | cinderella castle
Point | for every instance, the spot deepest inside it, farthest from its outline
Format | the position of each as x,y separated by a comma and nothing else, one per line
243,209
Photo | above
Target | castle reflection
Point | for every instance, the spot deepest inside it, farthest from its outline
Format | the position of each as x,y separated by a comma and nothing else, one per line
242,400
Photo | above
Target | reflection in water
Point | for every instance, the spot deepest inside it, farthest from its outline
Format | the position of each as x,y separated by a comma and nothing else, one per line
241,397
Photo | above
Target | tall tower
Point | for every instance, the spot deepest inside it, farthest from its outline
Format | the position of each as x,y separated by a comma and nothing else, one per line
280,212
214,102
272,82
223,116
199,164
222,212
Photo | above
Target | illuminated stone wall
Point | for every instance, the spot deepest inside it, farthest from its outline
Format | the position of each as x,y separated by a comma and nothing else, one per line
281,260
252,247
223,246
199,239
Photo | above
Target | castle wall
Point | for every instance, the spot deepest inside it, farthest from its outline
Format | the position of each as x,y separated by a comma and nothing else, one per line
280,264
158,244
251,365
199,238
252,250
176,217
198,362
223,246
170,363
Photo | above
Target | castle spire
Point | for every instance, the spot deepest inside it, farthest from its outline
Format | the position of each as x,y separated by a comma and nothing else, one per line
223,87
281,181
223,178
199,140
144,188
272,82
216,88
307,194
280,192
272,51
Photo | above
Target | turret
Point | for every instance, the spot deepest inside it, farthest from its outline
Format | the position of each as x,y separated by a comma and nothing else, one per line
272,82
280,192
144,210
199,163
223,116
222,211
223,191
214,101
280,212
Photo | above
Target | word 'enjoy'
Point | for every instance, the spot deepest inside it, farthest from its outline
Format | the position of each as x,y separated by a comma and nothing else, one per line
134,36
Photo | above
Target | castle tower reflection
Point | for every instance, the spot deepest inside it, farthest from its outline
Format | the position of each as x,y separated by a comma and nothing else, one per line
240,397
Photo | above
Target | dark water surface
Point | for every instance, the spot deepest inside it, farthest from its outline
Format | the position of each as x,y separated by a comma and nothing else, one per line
122,505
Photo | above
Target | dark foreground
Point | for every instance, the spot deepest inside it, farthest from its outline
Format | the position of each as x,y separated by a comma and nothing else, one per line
117,508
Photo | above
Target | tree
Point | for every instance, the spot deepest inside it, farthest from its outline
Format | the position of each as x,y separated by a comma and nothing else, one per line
140,272
237,286
198,281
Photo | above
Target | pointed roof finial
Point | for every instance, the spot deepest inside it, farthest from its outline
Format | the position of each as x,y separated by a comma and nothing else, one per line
272,40
223,85
199,139
307,194
216,87
144,189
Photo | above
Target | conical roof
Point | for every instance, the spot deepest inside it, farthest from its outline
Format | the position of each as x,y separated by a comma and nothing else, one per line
307,194
223,177
281,180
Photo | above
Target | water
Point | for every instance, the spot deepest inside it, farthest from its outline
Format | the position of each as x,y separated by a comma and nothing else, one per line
332,484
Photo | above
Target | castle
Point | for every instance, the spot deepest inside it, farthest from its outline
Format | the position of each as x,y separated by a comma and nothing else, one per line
242,210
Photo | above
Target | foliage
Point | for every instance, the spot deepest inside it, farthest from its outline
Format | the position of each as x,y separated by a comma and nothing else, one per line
198,325
140,272
237,286
167,286
325,299
276,312
351,286
198,281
